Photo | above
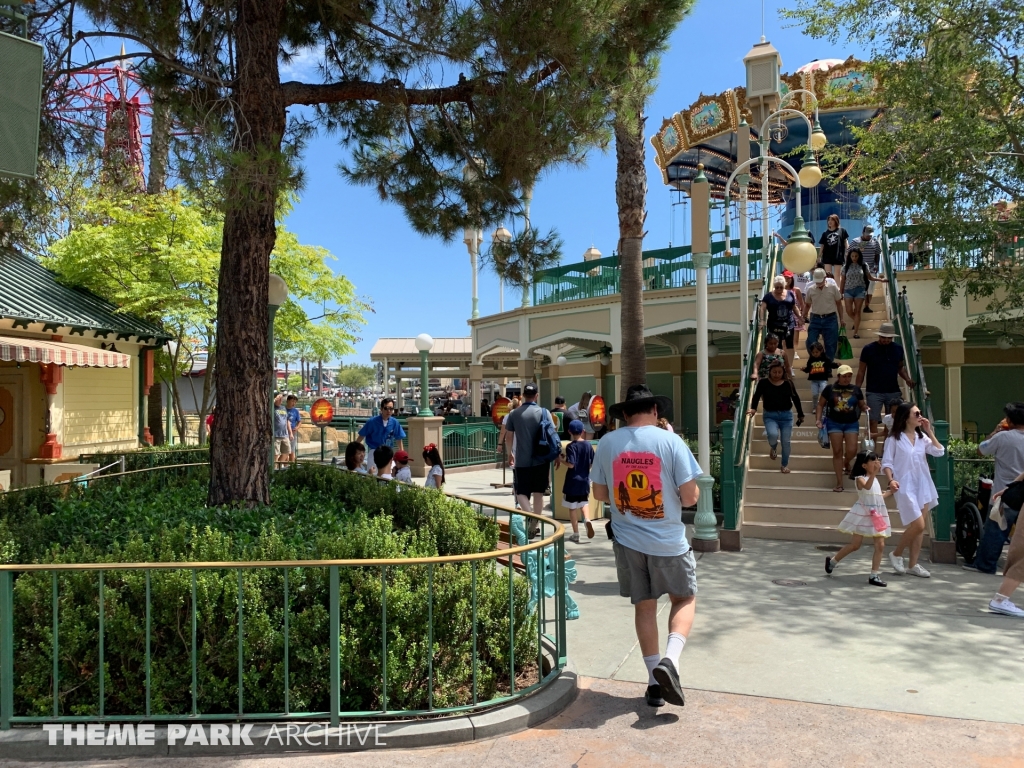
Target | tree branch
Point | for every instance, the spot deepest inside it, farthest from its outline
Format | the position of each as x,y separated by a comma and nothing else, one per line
394,92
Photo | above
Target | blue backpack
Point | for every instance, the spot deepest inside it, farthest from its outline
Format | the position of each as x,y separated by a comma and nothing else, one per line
549,444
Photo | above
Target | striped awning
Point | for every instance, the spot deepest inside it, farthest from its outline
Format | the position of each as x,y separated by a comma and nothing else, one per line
38,351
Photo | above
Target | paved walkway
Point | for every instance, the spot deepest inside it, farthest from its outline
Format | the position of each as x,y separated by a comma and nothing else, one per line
922,646
828,671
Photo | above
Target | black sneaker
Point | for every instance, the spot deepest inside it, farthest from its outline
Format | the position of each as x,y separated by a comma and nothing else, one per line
668,678
867,309
876,581
653,696
828,565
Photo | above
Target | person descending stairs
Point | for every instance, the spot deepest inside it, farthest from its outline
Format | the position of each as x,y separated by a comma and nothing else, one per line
803,504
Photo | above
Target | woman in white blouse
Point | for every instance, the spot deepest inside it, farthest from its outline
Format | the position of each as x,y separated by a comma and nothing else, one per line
904,461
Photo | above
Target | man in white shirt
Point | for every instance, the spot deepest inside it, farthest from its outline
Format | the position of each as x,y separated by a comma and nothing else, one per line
823,306
578,411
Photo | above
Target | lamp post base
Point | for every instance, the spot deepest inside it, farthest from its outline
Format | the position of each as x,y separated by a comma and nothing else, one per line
705,529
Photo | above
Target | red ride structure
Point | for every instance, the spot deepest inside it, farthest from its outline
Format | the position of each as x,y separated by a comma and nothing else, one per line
114,101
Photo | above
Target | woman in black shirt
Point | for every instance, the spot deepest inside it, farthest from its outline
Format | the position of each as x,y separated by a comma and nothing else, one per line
833,244
779,398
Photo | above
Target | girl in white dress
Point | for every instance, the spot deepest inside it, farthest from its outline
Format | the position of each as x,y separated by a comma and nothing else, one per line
867,518
432,458
905,463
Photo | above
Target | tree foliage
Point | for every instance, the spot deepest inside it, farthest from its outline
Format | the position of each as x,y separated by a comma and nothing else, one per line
356,376
158,256
949,144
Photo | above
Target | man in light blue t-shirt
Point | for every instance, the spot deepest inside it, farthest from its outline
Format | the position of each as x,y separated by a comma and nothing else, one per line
647,475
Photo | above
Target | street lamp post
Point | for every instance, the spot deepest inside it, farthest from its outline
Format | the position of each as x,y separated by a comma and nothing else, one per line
501,235
277,295
473,237
424,343
705,535
527,199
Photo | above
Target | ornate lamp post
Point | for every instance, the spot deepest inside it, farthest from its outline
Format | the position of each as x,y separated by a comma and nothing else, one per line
277,295
424,343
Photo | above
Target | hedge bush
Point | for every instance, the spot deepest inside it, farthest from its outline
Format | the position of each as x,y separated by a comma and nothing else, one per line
147,458
317,513
966,473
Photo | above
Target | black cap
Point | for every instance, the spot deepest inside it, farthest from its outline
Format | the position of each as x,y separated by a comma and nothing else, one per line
530,389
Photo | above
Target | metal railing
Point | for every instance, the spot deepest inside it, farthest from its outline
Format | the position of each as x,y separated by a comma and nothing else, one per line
903,319
663,268
470,443
736,434
546,584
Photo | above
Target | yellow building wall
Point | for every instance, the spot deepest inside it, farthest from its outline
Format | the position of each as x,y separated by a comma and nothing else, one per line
100,407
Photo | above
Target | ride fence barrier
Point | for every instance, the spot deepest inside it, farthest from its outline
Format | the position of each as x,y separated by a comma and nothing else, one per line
486,607
470,443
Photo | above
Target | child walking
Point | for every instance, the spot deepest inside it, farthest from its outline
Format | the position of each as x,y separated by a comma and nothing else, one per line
579,455
432,457
819,370
867,518
403,472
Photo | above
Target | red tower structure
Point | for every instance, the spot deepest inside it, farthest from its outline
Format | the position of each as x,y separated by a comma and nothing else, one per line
114,101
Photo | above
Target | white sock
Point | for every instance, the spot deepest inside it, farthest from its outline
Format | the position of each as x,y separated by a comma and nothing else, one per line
676,642
999,598
875,573
651,662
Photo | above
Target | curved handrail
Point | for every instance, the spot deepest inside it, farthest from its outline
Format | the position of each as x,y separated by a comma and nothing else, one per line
903,320
558,533
756,342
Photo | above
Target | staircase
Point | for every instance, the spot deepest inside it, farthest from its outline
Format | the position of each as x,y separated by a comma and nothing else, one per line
802,506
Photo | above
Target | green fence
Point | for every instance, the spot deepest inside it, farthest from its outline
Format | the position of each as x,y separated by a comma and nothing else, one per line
470,443
533,598
663,268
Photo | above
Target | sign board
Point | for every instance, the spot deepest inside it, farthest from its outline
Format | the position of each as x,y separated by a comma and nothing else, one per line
321,412
500,410
598,412
21,73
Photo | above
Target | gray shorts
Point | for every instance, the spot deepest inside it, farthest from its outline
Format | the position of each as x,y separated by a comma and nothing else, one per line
648,577
879,402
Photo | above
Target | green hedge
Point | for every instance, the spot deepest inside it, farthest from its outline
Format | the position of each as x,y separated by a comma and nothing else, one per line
968,466
317,513
146,458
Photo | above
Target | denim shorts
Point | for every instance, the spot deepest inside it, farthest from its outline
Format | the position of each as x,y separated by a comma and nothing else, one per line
837,426
857,292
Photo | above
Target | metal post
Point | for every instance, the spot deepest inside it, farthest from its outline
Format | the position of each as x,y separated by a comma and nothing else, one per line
729,501
425,385
742,155
944,514
6,649
323,444
273,380
335,621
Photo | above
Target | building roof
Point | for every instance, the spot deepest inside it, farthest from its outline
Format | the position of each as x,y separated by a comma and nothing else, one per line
30,293
396,348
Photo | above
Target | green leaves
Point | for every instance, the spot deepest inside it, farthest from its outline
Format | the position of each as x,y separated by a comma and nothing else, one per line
527,252
950,143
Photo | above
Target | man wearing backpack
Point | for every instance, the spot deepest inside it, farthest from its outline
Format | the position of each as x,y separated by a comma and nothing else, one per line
532,468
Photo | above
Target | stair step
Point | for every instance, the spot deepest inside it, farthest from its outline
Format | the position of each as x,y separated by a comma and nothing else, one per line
798,497
823,534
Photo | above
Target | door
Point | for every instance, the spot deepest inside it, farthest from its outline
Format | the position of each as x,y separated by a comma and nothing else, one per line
13,411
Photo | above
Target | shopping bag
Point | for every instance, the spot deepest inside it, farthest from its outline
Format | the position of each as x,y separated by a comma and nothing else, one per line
823,438
844,351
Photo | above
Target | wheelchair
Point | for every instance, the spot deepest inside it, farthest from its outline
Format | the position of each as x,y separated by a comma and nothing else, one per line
971,512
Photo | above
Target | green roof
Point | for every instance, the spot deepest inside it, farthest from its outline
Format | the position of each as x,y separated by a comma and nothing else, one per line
30,293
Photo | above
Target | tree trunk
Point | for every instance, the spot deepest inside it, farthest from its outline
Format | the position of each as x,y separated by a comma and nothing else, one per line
240,447
630,197
159,149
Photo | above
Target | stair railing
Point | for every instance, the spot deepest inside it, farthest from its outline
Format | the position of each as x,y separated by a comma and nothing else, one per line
736,435
903,320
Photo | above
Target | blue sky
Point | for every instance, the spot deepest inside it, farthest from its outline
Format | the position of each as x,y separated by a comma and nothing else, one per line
419,284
